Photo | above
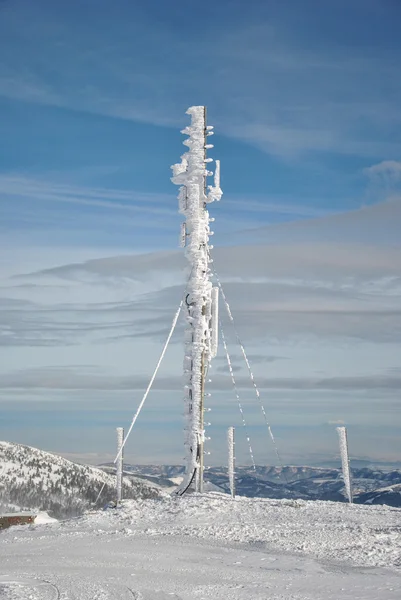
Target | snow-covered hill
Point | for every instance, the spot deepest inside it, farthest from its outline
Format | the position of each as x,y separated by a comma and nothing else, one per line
204,547
390,495
36,480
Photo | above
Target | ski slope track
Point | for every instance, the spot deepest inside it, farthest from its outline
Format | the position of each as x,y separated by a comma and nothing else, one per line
208,546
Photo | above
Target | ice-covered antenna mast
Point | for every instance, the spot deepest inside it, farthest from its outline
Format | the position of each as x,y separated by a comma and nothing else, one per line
201,299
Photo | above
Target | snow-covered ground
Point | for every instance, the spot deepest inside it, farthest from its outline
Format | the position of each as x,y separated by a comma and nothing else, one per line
42,518
208,547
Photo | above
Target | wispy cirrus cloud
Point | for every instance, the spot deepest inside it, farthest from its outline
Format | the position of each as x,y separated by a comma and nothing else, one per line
63,378
385,179
120,200
374,225
305,99
285,91
38,210
278,293
263,205
41,202
386,168
107,319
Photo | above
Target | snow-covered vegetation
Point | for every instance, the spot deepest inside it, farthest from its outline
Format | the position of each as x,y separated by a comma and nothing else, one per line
36,480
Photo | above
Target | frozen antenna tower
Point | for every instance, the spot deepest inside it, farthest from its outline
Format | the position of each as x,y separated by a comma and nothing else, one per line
342,435
201,299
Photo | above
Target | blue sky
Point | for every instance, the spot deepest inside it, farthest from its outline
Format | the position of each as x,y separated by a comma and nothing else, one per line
305,98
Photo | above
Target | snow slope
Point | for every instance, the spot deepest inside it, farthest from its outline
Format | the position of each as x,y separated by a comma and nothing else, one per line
390,495
209,547
36,480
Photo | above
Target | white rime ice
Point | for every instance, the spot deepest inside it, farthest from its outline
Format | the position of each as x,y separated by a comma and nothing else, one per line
342,435
214,341
231,460
119,466
194,195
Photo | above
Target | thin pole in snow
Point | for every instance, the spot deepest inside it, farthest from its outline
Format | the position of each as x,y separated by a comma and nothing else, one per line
345,462
231,459
119,464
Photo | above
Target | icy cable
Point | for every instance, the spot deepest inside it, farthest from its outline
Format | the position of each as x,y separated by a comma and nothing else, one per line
230,316
230,368
177,314
100,493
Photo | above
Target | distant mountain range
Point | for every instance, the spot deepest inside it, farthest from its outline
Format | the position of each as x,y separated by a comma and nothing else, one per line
370,486
31,479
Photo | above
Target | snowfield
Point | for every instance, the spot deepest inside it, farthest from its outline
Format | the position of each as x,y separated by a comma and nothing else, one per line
208,547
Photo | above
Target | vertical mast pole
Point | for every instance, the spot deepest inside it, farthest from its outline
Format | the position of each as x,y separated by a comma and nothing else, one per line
201,467
193,196
119,465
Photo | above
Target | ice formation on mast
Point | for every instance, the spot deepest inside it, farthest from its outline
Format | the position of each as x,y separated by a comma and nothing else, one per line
201,298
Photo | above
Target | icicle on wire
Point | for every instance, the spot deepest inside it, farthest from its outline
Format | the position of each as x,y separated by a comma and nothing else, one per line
174,323
230,368
230,316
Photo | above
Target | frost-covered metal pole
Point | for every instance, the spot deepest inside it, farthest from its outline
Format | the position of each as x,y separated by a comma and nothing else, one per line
231,459
342,435
119,465
200,339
